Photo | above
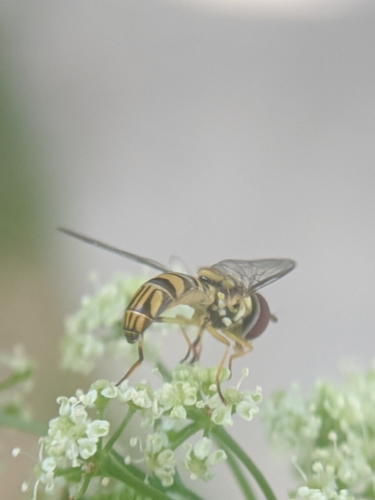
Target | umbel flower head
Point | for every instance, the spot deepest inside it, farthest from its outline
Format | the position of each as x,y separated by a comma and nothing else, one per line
18,381
184,406
332,437
95,329
72,439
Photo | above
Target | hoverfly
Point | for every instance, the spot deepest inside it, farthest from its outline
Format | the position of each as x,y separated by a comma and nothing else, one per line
224,298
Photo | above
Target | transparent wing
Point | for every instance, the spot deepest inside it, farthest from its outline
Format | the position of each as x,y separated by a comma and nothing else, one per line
132,256
177,265
254,274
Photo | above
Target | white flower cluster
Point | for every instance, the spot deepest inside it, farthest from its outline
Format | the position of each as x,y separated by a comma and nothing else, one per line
332,435
99,313
159,458
192,389
72,439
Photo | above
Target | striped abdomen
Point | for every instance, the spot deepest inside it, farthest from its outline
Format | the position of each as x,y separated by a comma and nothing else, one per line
153,298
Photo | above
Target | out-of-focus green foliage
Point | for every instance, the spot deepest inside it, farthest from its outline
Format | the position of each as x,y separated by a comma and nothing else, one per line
21,200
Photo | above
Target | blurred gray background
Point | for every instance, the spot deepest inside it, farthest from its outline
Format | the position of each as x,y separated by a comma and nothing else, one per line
169,129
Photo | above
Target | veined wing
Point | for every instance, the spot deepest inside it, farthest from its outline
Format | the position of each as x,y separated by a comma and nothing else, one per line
123,253
254,274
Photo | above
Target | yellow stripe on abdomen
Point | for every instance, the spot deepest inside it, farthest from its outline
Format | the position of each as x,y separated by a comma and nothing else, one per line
156,302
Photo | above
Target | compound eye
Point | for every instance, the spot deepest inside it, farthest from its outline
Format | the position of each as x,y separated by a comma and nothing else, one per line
259,321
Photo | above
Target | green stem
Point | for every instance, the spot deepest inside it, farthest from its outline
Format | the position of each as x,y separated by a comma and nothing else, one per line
15,378
84,487
225,441
114,468
178,487
119,430
185,434
21,424
241,480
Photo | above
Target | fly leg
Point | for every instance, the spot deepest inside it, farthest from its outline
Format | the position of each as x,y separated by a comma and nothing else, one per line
190,345
243,347
226,342
136,364
197,344
240,351
181,321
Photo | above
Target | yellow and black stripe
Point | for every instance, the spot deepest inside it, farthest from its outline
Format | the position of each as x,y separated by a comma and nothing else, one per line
153,298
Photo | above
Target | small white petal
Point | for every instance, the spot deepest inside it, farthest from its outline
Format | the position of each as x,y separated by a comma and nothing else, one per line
178,413
97,428
303,491
78,414
332,436
166,459
317,467
165,477
127,395
24,487
110,392
64,405
49,464
202,448
155,442
72,450
222,415
89,398
216,457
142,399
246,410
87,448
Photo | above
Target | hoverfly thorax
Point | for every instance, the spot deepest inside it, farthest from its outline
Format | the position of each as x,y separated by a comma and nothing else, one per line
230,303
